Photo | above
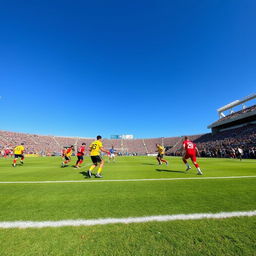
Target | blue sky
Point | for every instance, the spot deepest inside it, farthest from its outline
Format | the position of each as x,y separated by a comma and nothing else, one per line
148,68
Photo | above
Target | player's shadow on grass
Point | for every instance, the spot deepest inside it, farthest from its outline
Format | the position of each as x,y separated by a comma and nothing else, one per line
148,164
84,174
162,170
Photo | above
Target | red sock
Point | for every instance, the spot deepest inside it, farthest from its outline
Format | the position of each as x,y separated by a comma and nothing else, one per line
81,161
196,165
163,160
14,161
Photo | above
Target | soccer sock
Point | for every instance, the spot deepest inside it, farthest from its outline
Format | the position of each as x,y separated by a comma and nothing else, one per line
80,162
187,165
77,162
196,165
185,161
99,170
14,162
91,168
163,160
198,169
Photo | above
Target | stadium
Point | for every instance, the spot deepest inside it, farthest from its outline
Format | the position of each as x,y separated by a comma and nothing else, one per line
128,128
139,207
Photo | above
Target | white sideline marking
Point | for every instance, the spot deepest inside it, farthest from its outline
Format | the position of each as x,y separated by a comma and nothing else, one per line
128,180
160,218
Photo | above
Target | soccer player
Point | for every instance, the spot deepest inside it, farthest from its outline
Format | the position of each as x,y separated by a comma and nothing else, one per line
80,155
95,148
111,154
190,150
67,156
160,156
18,153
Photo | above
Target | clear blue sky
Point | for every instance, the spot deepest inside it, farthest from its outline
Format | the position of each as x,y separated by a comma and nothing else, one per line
148,68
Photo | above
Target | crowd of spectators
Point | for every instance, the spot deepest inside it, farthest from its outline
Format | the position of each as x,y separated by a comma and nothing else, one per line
222,144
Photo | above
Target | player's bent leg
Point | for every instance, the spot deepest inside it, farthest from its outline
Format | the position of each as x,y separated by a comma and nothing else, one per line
199,172
186,163
98,175
164,161
14,162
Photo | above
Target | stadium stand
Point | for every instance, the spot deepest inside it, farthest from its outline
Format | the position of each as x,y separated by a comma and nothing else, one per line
236,130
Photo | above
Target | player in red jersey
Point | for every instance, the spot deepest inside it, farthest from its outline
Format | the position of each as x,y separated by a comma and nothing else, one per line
190,150
80,155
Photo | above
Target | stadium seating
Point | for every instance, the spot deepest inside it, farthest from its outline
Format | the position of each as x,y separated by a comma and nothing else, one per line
222,144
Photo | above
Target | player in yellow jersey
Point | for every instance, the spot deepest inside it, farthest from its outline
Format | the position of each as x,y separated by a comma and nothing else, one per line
95,149
67,156
160,156
18,153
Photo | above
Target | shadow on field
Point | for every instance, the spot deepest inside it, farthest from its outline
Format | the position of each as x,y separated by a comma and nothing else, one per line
162,170
84,174
147,164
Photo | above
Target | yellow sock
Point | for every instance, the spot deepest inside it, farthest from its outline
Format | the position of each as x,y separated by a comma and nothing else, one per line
91,168
100,170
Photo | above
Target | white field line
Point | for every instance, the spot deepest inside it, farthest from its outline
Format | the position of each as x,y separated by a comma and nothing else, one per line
92,222
125,180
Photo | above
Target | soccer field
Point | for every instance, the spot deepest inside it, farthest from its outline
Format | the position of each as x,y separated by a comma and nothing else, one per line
41,191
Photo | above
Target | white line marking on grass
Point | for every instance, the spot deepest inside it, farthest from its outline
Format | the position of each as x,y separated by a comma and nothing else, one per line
92,222
127,180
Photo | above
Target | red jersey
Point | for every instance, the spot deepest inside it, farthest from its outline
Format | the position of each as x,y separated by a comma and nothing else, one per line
190,147
81,151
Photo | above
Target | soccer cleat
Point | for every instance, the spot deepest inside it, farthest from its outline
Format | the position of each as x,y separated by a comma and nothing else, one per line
188,168
14,165
21,162
89,174
199,173
166,163
98,176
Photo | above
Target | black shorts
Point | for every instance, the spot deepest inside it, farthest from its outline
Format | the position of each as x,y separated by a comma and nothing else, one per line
96,159
80,158
160,156
18,155
67,158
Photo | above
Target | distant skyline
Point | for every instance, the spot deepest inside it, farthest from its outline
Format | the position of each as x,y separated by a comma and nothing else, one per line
147,68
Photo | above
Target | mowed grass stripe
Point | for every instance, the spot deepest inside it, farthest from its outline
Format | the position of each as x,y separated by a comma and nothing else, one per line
124,180
129,220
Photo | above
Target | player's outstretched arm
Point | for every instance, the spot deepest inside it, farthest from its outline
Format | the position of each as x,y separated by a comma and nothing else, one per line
104,150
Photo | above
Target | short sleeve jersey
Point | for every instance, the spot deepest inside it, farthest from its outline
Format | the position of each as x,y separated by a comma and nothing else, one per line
19,150
189,146
95,148
81,151
161,150
69,152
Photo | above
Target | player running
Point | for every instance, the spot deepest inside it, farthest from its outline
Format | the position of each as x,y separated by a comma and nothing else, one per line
190,150
95,148
111,154
80,156
67,156
18,153
160,156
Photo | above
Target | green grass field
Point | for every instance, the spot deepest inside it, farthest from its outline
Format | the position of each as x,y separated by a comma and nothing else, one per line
122,199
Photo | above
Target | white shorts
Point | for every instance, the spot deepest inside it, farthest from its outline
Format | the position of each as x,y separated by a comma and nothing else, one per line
112,155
